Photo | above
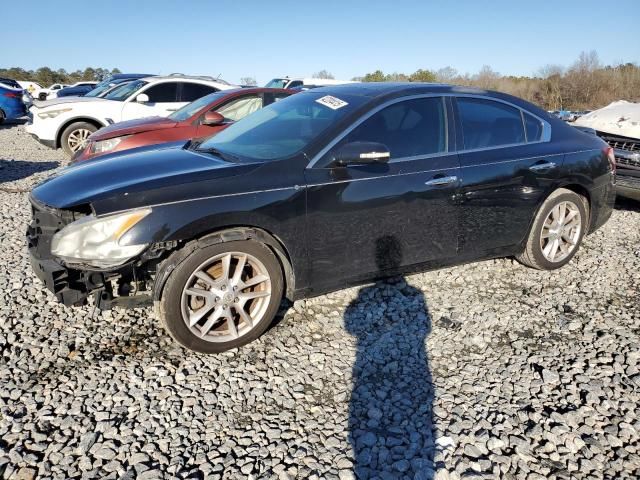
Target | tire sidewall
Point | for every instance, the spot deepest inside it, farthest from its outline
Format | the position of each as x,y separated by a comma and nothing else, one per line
170,302
542,216
64,139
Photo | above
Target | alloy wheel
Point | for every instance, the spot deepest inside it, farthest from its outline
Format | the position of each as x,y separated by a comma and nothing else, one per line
561,231
226,297
78,139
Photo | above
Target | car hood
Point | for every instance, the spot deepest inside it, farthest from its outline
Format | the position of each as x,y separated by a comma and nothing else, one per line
139,177
130,127
61,100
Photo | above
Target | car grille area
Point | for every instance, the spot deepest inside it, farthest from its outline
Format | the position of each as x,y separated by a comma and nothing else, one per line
627,150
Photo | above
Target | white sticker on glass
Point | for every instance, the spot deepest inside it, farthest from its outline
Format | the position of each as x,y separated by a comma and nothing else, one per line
332,102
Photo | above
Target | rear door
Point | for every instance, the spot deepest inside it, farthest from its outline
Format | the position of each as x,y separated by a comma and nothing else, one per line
368,220
507,165
163,100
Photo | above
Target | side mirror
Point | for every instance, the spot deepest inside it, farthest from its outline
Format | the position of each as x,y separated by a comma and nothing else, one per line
142,98
360,153
212,118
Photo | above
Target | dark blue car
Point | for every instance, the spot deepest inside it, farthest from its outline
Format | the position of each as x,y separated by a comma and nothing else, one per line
77,91
11,104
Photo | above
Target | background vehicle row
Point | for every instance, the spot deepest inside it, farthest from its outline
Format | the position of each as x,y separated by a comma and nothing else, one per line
195,121
67,125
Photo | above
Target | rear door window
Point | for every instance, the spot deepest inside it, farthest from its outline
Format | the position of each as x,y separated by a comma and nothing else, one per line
240,107
194,91
163,92
487,123
533,127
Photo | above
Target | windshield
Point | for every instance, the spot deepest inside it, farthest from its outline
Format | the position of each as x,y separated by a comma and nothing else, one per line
99,88
122,93
283,128
277,83
192,108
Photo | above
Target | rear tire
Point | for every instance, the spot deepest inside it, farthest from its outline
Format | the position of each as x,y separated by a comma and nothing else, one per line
2,117
206,307
74,137
557,231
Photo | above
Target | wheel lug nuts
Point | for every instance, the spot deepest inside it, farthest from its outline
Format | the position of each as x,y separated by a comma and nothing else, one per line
236,300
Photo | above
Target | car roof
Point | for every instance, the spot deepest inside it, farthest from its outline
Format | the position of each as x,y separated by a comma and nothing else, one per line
375,89
249,90
180,76
130,75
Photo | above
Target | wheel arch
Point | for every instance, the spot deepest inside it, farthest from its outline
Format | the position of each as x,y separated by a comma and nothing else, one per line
583,192
575,187
228,234
97,123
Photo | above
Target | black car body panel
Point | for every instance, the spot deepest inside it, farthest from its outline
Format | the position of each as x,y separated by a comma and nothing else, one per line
337,225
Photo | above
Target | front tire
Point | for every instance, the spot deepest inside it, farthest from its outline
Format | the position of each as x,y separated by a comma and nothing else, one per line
222,296
74,137
2,117
557,231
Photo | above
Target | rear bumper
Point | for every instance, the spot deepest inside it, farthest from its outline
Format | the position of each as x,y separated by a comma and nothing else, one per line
603,199
14,111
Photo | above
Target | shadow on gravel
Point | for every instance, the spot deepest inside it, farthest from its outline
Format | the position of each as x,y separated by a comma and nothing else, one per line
12,123
390,413
12,170
627,204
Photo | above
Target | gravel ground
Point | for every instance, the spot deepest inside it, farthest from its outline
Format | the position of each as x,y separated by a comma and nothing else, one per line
480,371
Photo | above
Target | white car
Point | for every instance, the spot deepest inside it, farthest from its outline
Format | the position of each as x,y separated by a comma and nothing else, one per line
304,83
30,87
44,93
67,125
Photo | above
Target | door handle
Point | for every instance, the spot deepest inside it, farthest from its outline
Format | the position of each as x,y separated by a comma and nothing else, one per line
172,109
540,167
440,181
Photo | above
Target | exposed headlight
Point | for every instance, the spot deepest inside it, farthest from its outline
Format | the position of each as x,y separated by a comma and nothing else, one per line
96,241
53,113
106,145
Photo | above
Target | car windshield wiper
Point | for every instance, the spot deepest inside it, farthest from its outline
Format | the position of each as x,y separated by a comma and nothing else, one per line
215,151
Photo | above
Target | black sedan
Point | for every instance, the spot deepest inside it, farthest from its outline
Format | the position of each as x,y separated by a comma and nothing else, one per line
323,190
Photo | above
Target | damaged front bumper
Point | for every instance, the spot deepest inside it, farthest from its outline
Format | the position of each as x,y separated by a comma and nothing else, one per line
73,286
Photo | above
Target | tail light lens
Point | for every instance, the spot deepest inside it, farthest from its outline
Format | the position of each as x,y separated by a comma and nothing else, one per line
611,156
13,94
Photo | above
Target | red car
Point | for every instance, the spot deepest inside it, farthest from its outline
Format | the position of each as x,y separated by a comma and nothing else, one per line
197,120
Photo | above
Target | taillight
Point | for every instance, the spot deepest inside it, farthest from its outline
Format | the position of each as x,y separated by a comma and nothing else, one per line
13,94
611,156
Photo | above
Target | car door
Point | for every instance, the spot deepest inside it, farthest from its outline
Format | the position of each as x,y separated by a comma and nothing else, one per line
162,101
232,111
507,167
373,219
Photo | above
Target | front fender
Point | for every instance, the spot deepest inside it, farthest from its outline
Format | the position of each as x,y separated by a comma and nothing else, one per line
229,235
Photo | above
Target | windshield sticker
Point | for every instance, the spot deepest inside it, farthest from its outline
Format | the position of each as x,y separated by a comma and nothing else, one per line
332,102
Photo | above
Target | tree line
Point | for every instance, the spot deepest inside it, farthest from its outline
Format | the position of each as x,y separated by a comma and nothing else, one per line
45,76
585,85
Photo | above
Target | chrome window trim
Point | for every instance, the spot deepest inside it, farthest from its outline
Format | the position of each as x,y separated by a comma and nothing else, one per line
546,127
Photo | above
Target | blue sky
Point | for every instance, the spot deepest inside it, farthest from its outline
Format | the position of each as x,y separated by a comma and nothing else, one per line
297,38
